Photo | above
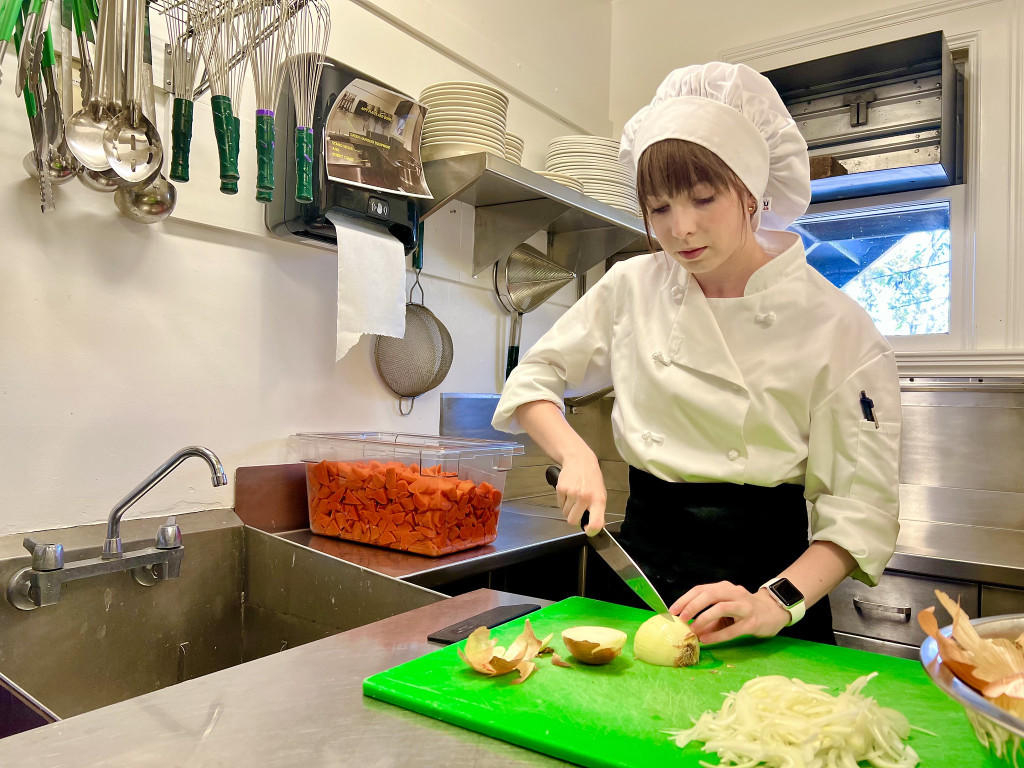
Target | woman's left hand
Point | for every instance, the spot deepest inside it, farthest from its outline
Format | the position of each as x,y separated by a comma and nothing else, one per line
729,611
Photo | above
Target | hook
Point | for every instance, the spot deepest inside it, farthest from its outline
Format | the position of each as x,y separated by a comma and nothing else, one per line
401,400
416,285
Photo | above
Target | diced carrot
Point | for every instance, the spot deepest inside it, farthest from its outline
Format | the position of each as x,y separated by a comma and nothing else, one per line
320,472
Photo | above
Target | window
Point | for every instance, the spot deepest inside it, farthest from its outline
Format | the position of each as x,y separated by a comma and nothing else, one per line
898,257
894,261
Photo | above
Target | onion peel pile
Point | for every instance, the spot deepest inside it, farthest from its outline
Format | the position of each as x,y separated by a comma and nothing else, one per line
483,653
992,666
785,723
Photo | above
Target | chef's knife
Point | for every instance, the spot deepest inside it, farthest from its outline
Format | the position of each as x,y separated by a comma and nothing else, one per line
612,553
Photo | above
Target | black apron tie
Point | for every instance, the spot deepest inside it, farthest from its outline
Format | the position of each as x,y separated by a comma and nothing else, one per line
685,534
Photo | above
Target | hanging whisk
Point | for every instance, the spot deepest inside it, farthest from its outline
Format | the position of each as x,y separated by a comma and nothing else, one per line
186,50
266,45
225,66
308,31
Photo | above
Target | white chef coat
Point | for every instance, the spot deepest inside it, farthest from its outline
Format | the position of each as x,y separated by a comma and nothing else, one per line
761,389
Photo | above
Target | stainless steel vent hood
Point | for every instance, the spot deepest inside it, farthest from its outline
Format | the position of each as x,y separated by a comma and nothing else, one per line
877,120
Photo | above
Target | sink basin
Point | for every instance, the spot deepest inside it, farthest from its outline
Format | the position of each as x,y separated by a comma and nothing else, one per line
243,594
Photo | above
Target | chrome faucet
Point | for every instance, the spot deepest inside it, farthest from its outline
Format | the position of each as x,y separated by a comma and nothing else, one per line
40,584
112,545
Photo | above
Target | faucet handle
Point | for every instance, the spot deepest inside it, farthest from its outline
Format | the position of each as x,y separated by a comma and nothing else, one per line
45,557
168,536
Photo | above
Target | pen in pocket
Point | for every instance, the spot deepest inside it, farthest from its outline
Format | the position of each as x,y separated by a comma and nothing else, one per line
867,407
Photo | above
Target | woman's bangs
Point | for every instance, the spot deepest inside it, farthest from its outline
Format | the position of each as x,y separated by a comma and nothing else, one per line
674,167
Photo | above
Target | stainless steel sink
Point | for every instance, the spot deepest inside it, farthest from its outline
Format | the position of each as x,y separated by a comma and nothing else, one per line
242,594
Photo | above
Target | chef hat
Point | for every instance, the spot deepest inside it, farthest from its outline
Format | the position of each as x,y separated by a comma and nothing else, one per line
736,113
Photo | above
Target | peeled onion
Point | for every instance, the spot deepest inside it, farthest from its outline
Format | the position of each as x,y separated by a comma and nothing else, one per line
594,645
666,643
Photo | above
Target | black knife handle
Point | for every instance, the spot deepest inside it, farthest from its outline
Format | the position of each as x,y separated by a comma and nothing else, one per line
551,475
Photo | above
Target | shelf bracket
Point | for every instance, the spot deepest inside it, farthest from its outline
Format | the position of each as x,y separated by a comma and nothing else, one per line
500,228
567,248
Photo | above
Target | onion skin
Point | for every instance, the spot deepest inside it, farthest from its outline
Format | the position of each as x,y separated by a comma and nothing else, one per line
666,643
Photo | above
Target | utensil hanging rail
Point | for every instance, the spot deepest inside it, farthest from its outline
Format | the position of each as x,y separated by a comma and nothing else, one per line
165,6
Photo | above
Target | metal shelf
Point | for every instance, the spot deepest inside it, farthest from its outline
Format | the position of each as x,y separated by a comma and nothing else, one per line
513,203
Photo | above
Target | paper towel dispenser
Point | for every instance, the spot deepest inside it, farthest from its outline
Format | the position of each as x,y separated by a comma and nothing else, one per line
877,120
366,140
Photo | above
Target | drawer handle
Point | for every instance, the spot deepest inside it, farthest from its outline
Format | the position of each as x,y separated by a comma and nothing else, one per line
861,605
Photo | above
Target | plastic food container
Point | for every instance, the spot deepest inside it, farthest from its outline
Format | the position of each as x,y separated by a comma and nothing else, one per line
416,493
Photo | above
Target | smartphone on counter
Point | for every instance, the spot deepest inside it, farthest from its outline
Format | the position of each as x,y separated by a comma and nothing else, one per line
492,618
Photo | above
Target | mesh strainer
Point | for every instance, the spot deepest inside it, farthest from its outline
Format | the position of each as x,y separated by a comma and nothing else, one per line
419,361
524,280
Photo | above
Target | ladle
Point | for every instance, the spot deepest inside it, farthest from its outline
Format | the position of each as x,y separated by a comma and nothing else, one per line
86,127
99,181
147,204
131,141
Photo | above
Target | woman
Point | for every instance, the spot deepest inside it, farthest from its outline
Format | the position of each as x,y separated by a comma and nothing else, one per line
757,406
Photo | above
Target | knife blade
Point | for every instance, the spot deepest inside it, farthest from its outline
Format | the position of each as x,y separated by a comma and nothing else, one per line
618,559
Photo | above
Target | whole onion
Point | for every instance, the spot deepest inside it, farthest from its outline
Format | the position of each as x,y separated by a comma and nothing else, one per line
666,642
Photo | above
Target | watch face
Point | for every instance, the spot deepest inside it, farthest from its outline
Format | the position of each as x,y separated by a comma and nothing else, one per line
785,590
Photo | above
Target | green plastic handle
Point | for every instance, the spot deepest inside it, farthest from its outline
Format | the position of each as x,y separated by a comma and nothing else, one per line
8,18
221,106
49,58
264,195
304,165
181,139
236,140
230,186
76,17
30,103
264,153
66,13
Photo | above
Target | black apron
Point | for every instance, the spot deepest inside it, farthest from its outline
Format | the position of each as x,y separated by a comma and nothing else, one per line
685,534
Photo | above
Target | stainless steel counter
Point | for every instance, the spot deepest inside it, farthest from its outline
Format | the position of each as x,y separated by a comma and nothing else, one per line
300,707
525,531
944,532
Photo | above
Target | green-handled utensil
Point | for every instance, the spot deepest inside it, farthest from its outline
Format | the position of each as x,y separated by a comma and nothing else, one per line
9,12
308,31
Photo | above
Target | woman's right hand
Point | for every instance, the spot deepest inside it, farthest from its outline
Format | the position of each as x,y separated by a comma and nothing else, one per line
581,488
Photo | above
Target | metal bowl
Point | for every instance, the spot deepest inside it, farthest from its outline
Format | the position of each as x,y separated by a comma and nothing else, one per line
997,730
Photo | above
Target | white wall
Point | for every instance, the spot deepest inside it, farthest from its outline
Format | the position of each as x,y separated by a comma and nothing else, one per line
652,37
120,343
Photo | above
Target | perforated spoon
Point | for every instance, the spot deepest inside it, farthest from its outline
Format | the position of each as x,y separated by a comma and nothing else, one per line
131,141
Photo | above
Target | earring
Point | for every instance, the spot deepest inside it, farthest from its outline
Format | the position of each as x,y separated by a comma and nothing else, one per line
751,208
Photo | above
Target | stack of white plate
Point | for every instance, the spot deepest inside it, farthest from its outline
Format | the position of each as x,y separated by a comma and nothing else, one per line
594,161
514,148
463,118
564,179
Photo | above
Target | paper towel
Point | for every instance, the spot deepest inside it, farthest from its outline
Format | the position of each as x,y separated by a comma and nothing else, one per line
371,282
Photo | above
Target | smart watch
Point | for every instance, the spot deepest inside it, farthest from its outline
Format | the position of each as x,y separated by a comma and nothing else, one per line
788,596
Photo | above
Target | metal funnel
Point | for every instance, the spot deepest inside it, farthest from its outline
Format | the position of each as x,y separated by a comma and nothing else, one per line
524,280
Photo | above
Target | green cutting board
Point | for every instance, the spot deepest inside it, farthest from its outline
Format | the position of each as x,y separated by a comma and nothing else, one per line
617,714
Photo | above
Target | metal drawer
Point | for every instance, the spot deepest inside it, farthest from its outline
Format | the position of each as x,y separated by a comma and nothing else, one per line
884,647
889,611
998,601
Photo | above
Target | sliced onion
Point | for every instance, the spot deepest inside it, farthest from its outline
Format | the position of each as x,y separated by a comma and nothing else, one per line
775,721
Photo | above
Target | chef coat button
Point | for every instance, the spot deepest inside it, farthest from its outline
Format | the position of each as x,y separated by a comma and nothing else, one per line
645,435
733,455
764,318
677,292
659,357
